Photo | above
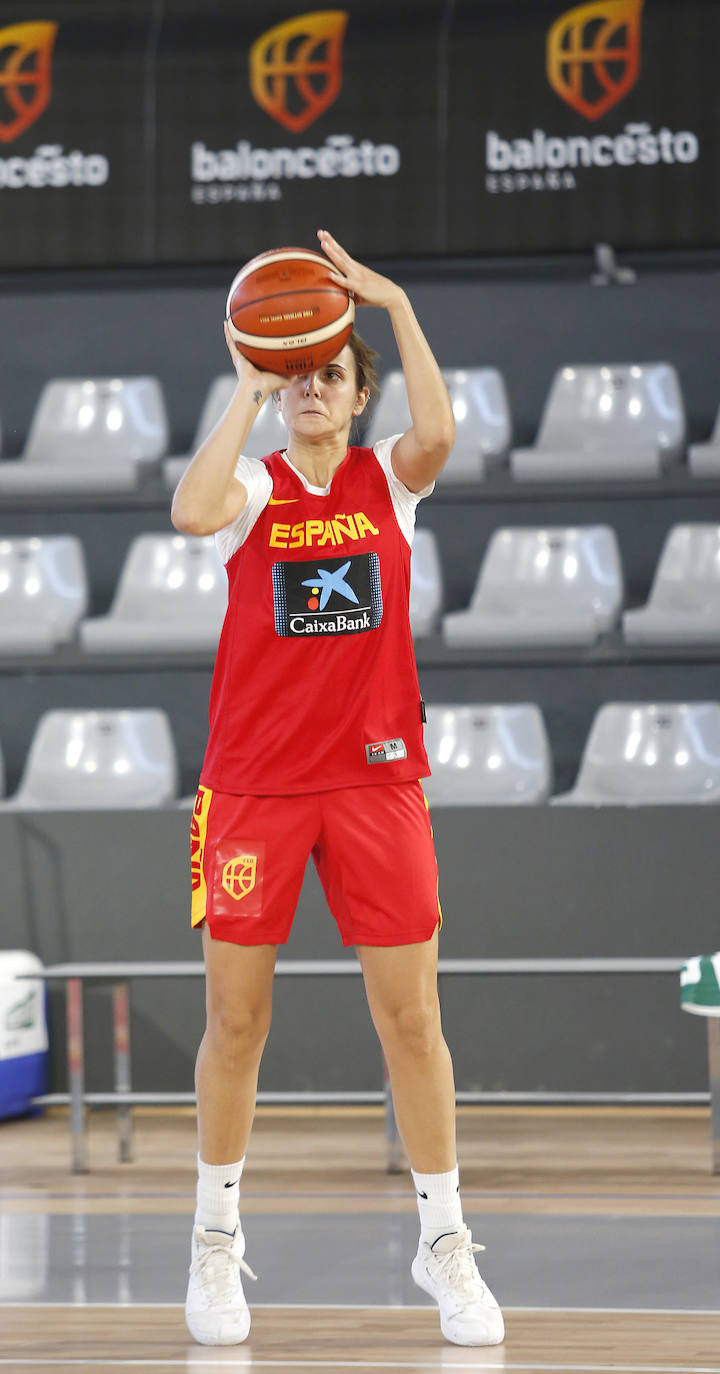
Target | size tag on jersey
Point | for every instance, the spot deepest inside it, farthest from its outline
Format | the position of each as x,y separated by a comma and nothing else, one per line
327,596
386,751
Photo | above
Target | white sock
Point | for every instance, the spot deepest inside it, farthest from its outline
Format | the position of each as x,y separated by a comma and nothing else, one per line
439,1204
218,1196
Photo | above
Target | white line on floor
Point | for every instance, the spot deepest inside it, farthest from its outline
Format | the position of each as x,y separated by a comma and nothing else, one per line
250,1362
387,1307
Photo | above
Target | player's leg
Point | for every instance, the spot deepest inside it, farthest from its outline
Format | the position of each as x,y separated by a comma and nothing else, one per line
249,856
378,867
238,997
401,988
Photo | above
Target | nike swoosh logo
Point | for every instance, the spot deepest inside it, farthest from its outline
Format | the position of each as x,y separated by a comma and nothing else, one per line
276,501
419,1194
232,1185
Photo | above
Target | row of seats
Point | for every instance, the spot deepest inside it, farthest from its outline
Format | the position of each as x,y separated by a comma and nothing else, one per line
171,595
544,586
615,421
636,754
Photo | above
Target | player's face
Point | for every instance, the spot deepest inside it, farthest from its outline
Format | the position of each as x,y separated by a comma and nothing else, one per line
324,402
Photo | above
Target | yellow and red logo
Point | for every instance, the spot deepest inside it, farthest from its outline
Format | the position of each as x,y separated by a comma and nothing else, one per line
593,54
239,876
296,67
25,75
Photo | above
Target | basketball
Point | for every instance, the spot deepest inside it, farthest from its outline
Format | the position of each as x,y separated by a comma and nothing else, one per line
285,312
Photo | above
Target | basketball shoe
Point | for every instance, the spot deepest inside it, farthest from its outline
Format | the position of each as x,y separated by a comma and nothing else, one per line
469,1314
215,1308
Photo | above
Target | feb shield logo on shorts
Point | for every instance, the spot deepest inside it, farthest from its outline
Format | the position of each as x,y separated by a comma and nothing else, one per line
327,596
239,876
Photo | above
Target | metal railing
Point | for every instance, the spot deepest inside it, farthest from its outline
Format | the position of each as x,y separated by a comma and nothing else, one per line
120,975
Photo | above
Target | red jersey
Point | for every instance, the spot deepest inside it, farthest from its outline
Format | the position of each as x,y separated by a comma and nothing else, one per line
315,684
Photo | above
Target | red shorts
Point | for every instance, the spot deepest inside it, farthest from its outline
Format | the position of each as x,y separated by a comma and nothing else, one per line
372,847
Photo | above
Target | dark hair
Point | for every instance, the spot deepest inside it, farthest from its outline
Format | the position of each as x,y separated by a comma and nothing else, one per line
366,359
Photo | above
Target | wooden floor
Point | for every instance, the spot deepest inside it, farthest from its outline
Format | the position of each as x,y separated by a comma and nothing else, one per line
550,1161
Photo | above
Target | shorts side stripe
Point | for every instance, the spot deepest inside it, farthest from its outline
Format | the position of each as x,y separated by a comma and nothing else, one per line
198,834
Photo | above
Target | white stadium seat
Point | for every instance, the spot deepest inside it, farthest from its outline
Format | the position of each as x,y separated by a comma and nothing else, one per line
267,434
425,584
643,753
482,419
43,592
684,602
553,586
93,759
704,459
171,596
617,421
487,756
90,434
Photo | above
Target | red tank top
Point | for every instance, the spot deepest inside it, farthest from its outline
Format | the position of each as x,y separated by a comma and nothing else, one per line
315,684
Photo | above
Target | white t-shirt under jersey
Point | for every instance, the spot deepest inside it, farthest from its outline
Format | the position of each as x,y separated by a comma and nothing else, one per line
258,483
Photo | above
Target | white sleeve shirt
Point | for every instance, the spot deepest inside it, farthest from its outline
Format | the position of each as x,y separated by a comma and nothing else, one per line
257,482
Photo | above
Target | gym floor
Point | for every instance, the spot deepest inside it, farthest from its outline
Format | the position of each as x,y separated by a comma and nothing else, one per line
601,1227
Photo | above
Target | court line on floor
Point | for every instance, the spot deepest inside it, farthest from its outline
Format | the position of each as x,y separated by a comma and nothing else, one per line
251,1362
386,1307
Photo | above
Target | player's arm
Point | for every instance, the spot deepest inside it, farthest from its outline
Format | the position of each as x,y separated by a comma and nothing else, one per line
421,453
208,495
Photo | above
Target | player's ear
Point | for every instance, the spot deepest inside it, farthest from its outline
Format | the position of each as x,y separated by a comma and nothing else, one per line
361,400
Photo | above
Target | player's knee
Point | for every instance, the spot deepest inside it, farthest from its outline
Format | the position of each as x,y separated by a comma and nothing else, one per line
414,1027
238,1029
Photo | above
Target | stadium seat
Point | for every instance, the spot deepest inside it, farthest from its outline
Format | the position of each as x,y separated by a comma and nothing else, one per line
43,592
171,596
554,586
482,419
606,423
642,753
487,756
94,759
684,602
425,584
90,435
267,434
704,459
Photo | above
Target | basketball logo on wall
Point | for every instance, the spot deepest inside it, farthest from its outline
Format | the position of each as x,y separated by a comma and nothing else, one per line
296,67
593,54
25,75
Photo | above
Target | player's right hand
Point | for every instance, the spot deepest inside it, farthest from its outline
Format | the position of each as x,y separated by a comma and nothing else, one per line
249,373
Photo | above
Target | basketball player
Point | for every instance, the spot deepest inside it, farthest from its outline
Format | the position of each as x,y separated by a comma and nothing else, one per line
316,746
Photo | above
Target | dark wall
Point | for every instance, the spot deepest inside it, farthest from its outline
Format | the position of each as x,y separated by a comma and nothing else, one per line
528,882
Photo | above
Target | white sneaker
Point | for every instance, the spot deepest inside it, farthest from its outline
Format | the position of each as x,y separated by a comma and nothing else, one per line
215,1308
469,1314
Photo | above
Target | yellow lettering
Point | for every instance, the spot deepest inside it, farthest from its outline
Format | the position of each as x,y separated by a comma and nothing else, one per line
329,534
344,526
313,528
298,535
364,525
279,535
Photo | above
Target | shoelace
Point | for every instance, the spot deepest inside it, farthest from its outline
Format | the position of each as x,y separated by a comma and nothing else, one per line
459,1269
219,1276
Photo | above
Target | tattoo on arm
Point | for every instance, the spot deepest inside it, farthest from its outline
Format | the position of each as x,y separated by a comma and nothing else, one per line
257,397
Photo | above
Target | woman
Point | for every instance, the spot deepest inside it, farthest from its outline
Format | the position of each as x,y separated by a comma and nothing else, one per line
316,747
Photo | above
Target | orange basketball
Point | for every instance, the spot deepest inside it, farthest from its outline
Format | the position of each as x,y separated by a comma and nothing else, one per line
285,312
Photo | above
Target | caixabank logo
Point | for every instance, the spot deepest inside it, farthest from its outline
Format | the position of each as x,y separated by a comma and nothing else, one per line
295,75
593,60
26,55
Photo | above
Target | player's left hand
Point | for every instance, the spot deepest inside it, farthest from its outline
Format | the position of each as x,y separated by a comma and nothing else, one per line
368,287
